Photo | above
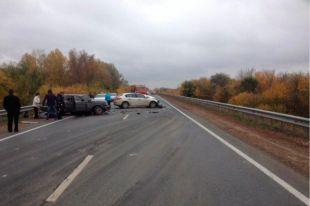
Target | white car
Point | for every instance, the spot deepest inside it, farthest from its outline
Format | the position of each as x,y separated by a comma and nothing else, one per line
101,97
135,100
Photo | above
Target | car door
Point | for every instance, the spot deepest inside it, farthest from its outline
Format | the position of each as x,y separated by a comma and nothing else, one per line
141,100
69,103
131,99
88,102
80,105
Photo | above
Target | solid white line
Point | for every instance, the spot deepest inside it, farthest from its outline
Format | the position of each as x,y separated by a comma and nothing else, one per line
263,169
63,186
126,116
20,133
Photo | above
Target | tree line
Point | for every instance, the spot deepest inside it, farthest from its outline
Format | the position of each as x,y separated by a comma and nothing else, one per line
78,72
283,92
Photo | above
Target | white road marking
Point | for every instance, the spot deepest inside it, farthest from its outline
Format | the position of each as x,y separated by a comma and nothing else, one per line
29,122
20,133
263,169
133,154
126,116
63,186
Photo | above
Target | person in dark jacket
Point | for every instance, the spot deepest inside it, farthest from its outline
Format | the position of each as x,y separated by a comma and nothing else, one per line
60,105
91,95
50,102
11,104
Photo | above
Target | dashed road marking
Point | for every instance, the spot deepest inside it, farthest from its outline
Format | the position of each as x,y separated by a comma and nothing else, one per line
126,116
63,186
260,167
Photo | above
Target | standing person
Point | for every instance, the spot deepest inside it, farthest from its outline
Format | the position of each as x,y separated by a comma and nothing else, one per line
91,95
36,105
50,102
108,98
11,104
60,105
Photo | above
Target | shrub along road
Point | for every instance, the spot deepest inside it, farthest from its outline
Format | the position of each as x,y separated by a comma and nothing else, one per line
140,157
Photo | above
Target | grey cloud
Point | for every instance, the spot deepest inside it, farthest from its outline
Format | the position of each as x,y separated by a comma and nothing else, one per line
160,43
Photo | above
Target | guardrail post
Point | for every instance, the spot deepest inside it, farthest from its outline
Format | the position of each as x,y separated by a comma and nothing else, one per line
26,114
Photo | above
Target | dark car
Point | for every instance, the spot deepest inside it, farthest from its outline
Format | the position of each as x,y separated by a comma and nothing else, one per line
79,103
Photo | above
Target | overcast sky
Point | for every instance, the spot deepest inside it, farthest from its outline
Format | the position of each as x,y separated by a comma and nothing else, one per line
163,42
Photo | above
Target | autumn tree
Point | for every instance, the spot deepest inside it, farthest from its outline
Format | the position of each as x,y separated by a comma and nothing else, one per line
188,89
248,84
80,73
6,83
202,88
28,76
283,92
264,79
219,89
116,78
245,73
86,69
222,94
219,79
245,99
55,68
297,96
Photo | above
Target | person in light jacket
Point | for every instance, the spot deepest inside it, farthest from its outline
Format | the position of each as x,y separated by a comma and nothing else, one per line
36,105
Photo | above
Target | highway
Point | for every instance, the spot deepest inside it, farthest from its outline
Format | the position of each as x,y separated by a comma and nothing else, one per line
141,156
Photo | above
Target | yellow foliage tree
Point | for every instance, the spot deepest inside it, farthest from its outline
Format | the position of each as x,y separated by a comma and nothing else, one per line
55,68
202,88
265,79
245,99
5,84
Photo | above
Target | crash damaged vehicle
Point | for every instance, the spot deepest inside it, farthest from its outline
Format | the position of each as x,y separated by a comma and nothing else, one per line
81,103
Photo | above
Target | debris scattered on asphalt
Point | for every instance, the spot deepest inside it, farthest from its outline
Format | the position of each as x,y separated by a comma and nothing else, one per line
138,113
4,176
133,154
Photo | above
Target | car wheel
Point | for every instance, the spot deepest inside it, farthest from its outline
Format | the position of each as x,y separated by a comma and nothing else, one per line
98,110
125,105
153,104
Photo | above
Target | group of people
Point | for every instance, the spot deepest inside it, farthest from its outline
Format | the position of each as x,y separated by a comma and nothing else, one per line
55,104
55,107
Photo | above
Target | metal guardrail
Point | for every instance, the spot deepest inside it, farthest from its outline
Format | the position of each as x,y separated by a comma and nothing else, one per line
286,118
22,109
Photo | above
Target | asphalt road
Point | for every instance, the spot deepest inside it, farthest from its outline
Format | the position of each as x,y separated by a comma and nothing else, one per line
140,157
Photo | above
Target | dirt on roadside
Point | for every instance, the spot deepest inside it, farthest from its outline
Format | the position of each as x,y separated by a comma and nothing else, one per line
289,149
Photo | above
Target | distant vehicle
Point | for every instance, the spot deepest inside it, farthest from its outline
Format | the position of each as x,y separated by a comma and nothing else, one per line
135,100
79,103
141,89
101,97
